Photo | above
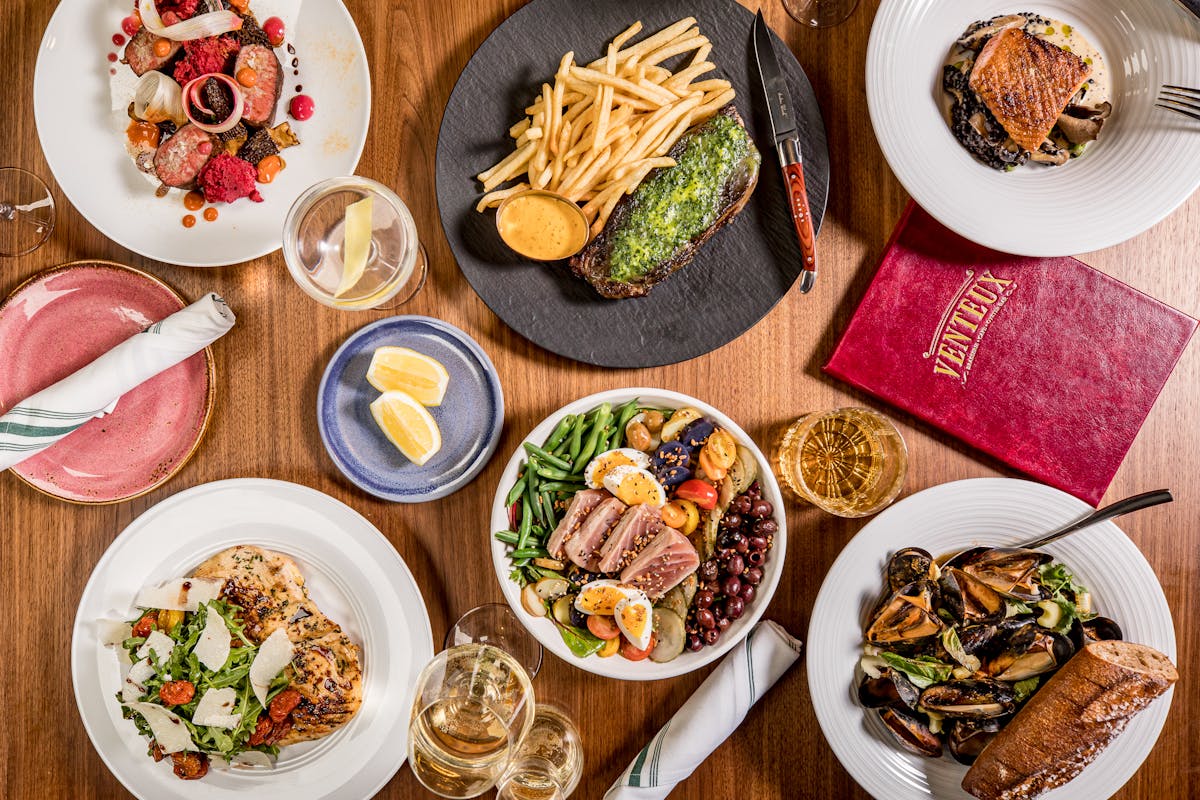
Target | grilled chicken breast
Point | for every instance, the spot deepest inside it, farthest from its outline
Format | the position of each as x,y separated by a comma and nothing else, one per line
325,669
1026,82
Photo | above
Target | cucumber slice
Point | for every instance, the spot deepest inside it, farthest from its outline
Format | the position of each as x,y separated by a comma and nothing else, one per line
689,586
675,600
670,634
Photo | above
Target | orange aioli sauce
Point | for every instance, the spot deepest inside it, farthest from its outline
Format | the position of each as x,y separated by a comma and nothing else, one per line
268,168
210,214
542,226
193,201
188,220
142,134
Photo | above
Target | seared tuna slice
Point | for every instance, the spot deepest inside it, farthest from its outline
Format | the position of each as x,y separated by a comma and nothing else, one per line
584,547
662,565
640,524
577,512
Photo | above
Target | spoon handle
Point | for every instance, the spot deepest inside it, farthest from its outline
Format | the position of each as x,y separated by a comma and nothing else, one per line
1135,503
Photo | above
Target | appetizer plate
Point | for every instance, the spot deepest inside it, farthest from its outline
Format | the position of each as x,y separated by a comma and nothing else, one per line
617,666
737,277
352,572
946,519
71,102
64,318
1146,162
470,417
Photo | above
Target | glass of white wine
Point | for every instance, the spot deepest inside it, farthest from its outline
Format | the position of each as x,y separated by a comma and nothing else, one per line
819,13
549,761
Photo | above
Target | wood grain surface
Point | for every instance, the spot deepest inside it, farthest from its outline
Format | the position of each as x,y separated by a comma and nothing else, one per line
264,425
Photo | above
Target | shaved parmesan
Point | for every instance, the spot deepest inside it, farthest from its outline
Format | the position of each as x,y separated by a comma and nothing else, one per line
133,687
212,649
113,631
181,594
160,643
273,655
215,709
253,758
169,731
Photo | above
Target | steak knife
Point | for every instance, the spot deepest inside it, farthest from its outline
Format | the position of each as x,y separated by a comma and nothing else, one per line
787,146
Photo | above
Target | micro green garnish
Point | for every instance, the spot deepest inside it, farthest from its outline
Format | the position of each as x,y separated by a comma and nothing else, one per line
923,671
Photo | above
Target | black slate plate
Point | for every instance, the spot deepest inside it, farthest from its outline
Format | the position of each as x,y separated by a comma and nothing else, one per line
737,277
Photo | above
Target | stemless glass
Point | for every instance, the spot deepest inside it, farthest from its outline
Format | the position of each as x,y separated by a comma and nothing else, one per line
314,237
549,761
819,13
26,212
474,704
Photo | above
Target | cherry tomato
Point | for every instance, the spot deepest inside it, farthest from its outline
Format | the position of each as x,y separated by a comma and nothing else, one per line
189,766
131,24
712,471
283,703
721,449
682,515
699,492
610,648
632,653
603,627
261,730
144,625
176,693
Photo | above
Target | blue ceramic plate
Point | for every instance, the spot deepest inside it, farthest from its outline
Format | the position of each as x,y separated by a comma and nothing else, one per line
470,416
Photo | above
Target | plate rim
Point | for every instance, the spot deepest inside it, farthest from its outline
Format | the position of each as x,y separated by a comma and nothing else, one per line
494,386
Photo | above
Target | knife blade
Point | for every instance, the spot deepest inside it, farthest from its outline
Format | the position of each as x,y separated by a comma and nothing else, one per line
785,130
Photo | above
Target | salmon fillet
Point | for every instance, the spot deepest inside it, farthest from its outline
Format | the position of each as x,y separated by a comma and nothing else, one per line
1026,82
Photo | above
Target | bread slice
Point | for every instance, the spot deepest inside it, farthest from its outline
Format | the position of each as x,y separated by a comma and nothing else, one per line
1070,721
1026,82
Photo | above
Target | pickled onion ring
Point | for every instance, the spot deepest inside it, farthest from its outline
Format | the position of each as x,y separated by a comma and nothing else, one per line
191,95
211,23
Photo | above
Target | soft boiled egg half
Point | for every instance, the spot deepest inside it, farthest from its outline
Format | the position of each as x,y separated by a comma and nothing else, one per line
632,610
606,462
635,486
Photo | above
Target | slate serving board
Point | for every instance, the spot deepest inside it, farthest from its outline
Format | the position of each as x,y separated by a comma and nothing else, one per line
737,277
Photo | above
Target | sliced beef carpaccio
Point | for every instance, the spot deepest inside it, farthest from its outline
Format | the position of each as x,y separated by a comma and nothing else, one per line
263,96
180,158
584,547
662,564
639,525
139,53
581,505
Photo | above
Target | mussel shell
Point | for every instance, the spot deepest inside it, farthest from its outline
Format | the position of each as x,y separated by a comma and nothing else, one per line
1026,656
970,698
911,732
989,639
1102,629
910,565
969,599
900,619
1008,570
968,737
891,688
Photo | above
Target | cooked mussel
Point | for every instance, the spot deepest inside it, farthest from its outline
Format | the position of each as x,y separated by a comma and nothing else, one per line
910,565
969,698
988,639
969,599
912,732
1101,629
968,737
889,689
1010,571
1044,652
905,616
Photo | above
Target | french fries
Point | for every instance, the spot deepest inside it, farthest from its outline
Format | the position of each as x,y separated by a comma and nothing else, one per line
596,131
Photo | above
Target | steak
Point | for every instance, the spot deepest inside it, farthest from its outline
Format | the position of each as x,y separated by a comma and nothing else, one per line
581,505
584,547
263,96
139,53
637,527
180,158
658,229
662,565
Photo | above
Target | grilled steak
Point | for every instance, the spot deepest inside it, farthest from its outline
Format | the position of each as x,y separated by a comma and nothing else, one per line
640,524
581,505
263,96
1026,82
139,53
662,565
180,158
658,229
584,547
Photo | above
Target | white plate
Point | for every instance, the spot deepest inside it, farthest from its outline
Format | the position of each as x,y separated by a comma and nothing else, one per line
71,103
352,573
1145,164
945,519
616,666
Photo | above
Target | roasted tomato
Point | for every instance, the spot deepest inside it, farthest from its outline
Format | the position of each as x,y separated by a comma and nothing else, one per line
190,766
143,626
283,703
701,493
176,693
262,729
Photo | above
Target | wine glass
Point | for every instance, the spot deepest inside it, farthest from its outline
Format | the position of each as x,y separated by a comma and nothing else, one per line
26,212
497,625
819,13
549,761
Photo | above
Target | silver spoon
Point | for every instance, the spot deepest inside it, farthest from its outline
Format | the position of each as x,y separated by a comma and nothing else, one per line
1117,509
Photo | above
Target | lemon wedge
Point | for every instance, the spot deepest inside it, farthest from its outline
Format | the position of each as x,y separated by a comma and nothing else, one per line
407,425
407,370
357,244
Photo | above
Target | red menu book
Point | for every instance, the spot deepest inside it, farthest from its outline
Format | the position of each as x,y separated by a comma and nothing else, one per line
1044,363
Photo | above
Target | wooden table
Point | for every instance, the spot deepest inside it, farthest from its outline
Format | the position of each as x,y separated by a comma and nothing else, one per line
263,425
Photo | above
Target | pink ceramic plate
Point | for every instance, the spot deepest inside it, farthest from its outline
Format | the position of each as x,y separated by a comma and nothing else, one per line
63,318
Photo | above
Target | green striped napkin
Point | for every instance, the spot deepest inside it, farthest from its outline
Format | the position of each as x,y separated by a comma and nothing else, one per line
37,422
710,715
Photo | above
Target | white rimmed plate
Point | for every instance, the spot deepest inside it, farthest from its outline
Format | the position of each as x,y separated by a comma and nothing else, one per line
71,102
353,574
616,666
1145,164
942,520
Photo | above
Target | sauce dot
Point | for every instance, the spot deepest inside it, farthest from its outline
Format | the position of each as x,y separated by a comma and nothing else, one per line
112,71
247,76
142,134
210,214
118,39
268,168
112,57
299,88
240,5
302,107
193,201
273,28
162,47
204,148
188,220
131,23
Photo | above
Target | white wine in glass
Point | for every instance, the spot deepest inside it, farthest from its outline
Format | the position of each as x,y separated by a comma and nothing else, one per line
819,13
549,761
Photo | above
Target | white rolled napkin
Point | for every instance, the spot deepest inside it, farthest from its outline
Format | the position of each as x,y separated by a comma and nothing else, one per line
37,422
710,715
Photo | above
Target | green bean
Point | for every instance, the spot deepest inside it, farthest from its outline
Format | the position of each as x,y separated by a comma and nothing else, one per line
576,439
541,455
529,552
559,433
516,490
548,504
526,522
626,413
508,537
589,448
559,487
521,562
553,474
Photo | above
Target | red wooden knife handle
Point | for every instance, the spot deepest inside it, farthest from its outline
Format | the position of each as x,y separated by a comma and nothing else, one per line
793,176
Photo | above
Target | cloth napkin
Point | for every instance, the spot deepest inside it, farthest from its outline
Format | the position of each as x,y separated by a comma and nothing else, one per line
710,715
39,421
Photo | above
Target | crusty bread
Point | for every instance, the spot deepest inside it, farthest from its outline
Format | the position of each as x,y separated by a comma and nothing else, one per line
1070,721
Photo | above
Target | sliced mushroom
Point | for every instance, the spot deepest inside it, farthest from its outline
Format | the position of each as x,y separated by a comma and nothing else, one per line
987,30
1051,155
